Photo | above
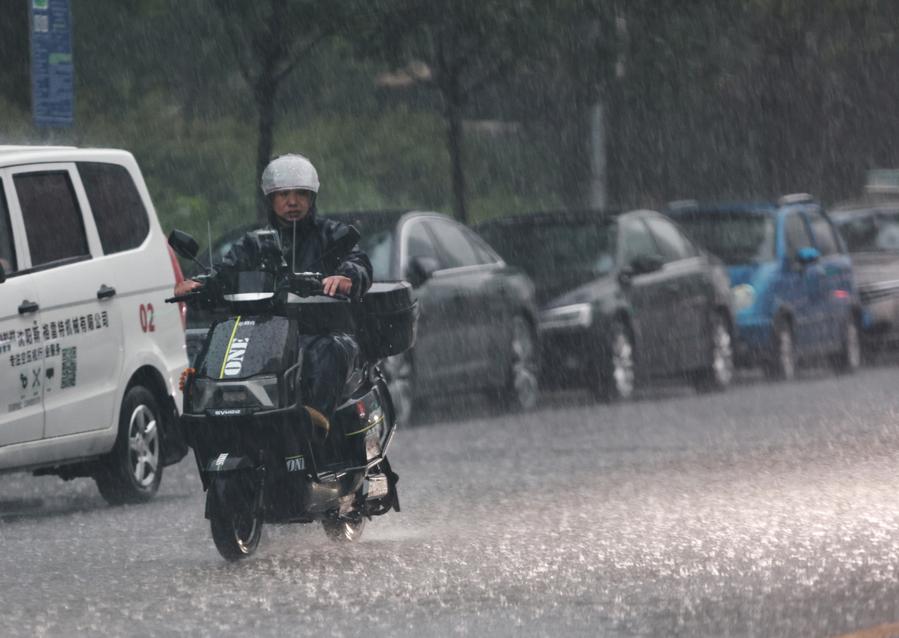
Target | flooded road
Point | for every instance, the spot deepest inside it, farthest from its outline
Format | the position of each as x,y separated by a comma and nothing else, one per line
769,510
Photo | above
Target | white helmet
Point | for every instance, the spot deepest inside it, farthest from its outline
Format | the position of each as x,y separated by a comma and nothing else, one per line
289,172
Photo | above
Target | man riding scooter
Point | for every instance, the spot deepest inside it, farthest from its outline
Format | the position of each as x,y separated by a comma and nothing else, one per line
290,184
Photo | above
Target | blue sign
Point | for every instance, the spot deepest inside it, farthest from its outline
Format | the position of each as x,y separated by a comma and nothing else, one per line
52,72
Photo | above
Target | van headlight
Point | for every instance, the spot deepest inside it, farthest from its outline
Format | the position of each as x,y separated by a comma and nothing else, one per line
259,394
743,296
579,315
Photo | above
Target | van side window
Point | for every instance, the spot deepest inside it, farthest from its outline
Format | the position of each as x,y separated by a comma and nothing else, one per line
52,217
119,213
7,252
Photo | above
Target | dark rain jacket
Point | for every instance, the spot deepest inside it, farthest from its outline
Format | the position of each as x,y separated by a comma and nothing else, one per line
314,252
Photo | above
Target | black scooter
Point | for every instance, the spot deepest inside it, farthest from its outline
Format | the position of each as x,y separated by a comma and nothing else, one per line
261,458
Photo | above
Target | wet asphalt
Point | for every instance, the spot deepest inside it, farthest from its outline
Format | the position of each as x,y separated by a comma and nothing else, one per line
769,510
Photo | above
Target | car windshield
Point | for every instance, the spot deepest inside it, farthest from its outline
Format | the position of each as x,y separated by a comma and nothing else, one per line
874,232
734,238
568,251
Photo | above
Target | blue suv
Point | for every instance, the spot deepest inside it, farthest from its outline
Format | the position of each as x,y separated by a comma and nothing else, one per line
793,289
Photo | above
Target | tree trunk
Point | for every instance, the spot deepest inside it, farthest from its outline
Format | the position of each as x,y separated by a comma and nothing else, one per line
574,137
266,89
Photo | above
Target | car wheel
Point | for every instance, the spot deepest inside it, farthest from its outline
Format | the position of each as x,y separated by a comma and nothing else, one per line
344,531
132,471
398,371
720,370
618,370
782,365
522,388
849,358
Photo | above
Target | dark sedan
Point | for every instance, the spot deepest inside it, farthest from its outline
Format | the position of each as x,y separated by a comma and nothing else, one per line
871,234
623,296
478,325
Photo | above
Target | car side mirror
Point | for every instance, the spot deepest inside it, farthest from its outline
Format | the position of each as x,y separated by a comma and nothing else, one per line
183,244
808,255
421,269
643,264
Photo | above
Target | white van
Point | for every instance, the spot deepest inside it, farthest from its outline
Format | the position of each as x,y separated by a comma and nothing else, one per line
90,354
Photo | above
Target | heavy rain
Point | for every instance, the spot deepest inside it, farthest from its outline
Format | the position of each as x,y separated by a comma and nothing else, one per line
623,308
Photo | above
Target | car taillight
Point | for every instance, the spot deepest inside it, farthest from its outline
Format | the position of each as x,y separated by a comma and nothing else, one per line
840,294
179,277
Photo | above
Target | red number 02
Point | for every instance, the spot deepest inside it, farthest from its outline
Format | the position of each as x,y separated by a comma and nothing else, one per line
146,318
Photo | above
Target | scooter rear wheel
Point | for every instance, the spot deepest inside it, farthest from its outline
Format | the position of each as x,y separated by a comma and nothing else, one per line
343,531
236,536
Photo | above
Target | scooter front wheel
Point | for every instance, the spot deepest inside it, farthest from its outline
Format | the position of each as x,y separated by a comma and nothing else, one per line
236,536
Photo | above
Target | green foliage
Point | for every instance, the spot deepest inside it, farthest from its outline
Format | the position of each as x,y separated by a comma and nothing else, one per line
704,98
388,159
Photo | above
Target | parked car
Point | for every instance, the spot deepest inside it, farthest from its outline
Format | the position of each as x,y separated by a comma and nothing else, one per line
623,297
477,330
792,280
91,353
871,234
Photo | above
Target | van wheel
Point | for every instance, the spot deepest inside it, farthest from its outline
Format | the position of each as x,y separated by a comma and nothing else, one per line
720,370
133,469
782,365
849,358
617,374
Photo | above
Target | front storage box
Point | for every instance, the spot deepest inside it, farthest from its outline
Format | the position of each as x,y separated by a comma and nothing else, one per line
389,319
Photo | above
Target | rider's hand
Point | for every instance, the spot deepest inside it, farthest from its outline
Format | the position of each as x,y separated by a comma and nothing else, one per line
184,287
337,284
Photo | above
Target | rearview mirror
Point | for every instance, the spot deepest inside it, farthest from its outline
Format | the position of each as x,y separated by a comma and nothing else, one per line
183,244
420,270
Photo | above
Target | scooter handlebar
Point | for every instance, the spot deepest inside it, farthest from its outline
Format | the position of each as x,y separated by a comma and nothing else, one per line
309,284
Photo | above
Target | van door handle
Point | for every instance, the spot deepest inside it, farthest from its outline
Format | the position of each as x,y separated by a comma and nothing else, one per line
105,292
28,306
